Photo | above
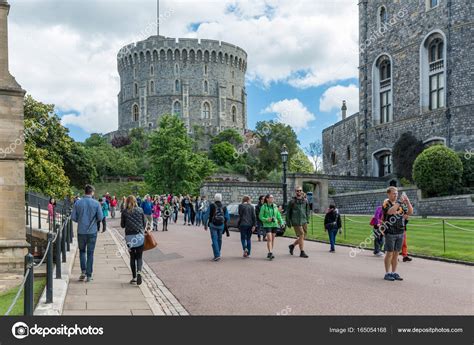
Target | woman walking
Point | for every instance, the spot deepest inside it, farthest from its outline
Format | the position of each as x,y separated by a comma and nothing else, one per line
246,224
332,224
271,220
260,232
165,215
156,213
105,211
133,220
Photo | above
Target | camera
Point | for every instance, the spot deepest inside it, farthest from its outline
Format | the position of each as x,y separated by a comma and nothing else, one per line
21,331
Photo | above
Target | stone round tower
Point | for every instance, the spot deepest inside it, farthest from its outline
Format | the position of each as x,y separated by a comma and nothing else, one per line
202,81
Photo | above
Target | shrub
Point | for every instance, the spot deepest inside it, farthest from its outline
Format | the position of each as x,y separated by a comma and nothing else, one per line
468,170
438,171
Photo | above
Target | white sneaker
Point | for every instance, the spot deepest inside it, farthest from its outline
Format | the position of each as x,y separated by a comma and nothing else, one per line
380,254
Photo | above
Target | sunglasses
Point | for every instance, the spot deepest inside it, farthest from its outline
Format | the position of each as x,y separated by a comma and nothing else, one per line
298,191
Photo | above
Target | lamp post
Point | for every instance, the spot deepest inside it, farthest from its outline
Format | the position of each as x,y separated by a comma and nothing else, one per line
284,159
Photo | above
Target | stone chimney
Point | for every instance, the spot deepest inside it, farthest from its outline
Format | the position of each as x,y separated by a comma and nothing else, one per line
344,110
13,245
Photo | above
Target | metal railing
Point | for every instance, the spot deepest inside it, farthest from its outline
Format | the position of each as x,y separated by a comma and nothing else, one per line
59,238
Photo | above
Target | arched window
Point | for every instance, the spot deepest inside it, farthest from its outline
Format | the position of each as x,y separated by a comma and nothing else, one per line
333,158
177,108
176,69
206,86
382,90
136,90
233,90
135,113
177,86
206,110
385,165
152,70
383,17
433,72
234,114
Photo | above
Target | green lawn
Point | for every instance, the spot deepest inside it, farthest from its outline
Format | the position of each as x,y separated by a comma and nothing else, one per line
425,236
7,297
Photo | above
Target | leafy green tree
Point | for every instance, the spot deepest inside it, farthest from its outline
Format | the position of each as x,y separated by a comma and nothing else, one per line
272,137
437,171
79,166
230,136
468,171
224,153
299,163
405,151
95,140
47,142
174,167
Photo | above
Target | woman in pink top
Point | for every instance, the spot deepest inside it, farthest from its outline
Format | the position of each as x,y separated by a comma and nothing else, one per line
51,206
156,213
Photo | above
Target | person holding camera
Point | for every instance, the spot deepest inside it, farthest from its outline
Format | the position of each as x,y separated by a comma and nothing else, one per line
332,224
271,220
395,215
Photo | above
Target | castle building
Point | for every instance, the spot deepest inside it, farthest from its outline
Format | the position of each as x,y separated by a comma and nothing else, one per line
202,81
416,74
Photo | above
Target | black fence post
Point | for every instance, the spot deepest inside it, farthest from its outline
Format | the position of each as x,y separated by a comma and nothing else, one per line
49,270
29,283
63,241
68,236
58,252
71,229
32,249
39,216
27,216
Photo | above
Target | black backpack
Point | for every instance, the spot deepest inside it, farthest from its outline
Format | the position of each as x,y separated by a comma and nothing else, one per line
218,219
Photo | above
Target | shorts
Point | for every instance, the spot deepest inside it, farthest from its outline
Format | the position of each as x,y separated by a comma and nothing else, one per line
393,242
272,230
301,230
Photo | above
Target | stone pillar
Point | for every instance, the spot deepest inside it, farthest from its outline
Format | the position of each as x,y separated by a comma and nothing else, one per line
12,167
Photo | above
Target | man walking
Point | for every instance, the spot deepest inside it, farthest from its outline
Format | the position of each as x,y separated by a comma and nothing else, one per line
87,212
215,219
297,216
395,213
147,207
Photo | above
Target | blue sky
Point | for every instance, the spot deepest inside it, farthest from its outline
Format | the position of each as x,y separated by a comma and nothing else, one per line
302,54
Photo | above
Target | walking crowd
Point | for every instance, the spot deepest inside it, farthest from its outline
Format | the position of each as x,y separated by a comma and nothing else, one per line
141,216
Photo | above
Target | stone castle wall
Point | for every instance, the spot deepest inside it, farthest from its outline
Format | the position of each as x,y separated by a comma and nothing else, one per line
402,42
232,192
191,63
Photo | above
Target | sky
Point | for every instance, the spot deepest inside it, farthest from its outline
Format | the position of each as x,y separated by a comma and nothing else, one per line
302,54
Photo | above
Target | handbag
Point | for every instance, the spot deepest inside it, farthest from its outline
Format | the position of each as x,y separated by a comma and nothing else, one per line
150,241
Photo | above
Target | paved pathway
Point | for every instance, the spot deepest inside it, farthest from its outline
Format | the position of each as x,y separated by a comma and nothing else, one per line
324,284
110,292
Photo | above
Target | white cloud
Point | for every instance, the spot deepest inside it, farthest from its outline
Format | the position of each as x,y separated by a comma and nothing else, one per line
64,52
332,99
291,112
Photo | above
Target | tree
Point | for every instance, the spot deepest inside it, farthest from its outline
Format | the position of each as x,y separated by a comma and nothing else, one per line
437,171
468,172
95,140
272,137
223,153
79,166
174,167
315,151
299,163
230,136
47,142
405,151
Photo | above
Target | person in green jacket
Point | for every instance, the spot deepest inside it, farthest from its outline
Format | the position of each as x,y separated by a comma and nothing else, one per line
271,220
298,216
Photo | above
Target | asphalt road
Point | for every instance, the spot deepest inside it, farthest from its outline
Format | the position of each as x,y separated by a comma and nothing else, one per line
324,284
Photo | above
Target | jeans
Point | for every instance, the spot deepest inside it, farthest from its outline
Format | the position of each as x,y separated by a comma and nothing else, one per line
112,211
216,237
86,243
332,237
378,242
198,218
246,237
187,215
136,260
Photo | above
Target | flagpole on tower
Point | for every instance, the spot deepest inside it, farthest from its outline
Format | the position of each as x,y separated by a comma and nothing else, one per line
158,16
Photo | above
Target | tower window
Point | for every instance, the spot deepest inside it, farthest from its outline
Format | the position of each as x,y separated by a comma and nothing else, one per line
136,90
383,17
382,90
135,113
333,158
152,87
206,70
152,70
177,108
177,86
433,82
206,110
176,69
206,86
348,153
234,114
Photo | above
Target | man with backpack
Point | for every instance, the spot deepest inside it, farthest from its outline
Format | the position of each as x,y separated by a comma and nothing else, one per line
215,219
297,216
